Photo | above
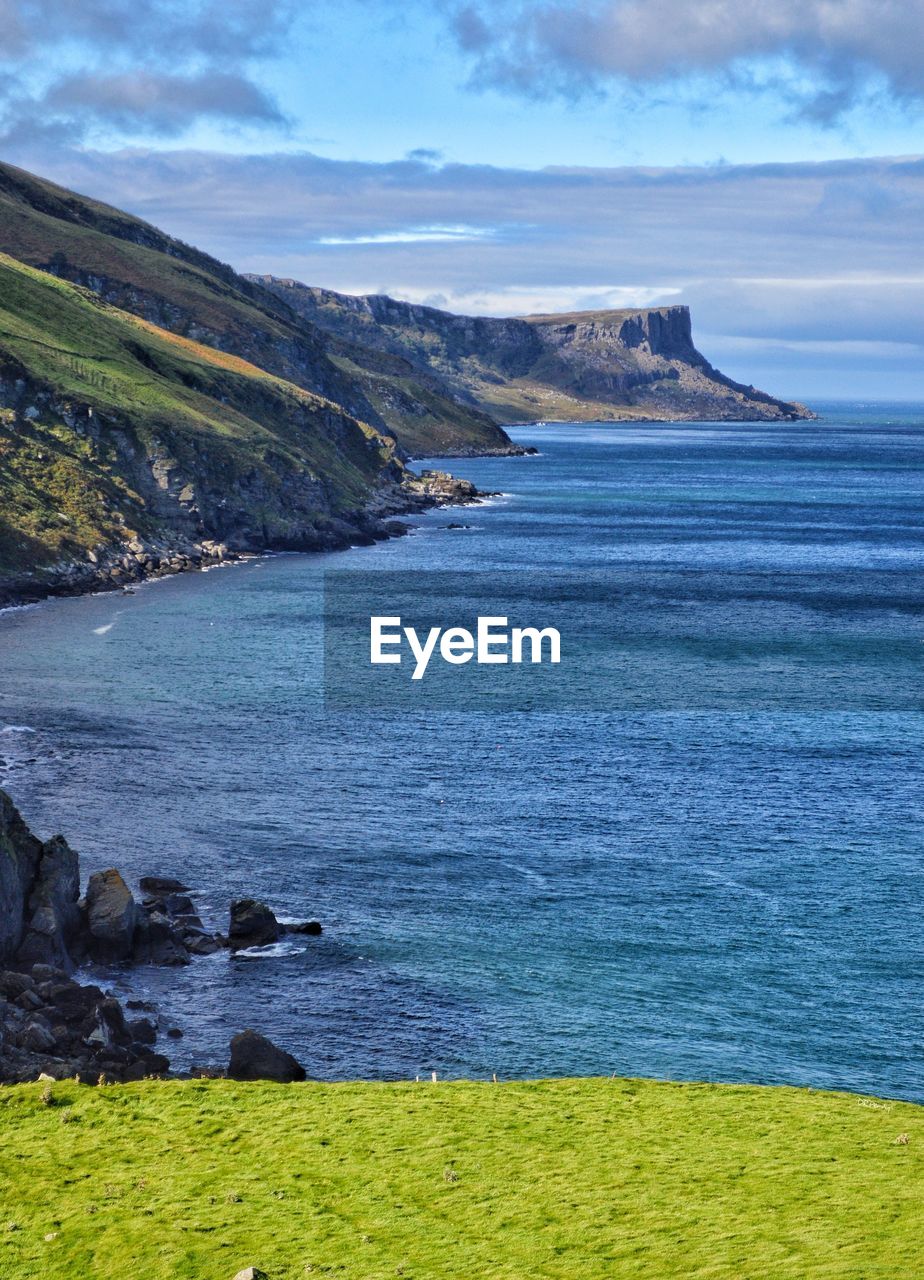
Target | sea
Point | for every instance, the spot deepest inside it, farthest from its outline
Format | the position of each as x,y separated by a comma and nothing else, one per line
697,856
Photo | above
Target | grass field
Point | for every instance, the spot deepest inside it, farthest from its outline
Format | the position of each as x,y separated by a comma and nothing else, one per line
572,1178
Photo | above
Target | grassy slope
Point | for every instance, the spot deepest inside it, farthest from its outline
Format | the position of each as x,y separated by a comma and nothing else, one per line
152,274
562,1179
221,416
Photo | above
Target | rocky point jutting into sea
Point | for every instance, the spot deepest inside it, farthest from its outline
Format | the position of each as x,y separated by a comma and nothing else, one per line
56,1026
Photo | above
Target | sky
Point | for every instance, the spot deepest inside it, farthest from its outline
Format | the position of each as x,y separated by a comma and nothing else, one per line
761,163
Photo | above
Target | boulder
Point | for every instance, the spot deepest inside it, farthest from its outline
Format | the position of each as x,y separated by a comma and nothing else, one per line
37,1036
156,941
199,943
48,973
160,886
311,927
13,984
111,916
251,1273
73,1001
142,1031
253,1057
252,924
152,1064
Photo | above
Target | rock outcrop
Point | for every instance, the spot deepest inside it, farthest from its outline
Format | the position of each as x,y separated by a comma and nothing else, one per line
51,1023
253,1057
39,888
111,916
252,925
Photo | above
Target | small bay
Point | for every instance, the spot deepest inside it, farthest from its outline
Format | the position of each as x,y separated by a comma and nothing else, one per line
707,894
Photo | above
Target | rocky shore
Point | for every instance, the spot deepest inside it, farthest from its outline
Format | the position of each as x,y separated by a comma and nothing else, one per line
122,565
52,1024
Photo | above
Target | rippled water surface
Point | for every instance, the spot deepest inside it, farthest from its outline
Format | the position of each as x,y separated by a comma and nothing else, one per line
721,895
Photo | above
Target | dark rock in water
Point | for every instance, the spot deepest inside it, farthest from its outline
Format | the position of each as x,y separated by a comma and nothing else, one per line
142,1031
188,921
145,1005
252,925
200,943
174,1033
311,927
111,916
156,941
159,886
253,1057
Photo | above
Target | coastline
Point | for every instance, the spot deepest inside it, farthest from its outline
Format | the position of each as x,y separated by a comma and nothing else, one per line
137,560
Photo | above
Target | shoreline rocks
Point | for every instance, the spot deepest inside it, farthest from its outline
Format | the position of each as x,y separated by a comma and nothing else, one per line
111,917
49,1021
51,1024
121,566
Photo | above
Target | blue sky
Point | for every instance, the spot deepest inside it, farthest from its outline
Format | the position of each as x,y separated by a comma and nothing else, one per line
757,162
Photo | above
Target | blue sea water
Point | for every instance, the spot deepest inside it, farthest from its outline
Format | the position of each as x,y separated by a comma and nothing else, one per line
723,893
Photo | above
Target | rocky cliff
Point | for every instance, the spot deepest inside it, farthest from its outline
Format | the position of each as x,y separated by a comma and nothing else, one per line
606,365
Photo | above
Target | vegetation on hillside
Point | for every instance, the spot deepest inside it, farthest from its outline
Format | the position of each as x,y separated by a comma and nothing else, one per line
95,398
559,1179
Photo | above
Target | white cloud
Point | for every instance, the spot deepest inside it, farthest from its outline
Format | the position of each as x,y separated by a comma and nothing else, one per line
87,67
514,300
824,54
413,235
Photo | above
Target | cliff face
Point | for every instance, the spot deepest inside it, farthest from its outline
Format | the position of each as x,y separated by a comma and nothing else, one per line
606,365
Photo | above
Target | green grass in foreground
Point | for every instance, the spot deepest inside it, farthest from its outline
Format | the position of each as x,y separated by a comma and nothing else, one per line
569,1178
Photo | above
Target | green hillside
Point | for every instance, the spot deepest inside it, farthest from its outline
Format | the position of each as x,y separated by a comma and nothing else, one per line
112,429
140,269
558,1180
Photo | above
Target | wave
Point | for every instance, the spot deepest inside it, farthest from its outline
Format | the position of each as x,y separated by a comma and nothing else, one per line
272,950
